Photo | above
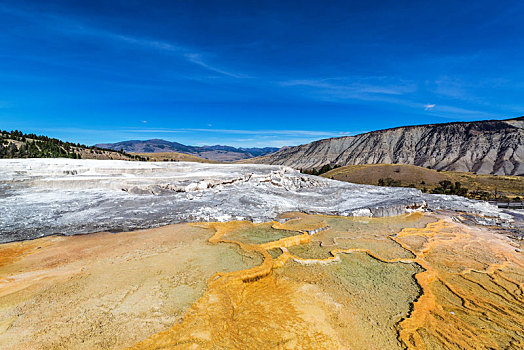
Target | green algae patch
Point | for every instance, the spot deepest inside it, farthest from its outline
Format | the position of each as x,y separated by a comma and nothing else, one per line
313,250
258,234
367,234
374,295
378,227
275,252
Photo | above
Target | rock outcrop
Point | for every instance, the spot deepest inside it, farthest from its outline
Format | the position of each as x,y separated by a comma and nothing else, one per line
486,147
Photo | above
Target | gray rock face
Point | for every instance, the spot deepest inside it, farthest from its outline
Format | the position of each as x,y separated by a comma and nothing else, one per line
486,147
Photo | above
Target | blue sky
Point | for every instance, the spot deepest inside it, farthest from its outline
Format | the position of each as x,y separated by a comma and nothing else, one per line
255,73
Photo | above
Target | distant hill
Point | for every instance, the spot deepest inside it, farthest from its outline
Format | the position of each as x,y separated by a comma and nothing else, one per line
174,157
16,144
217,152
485,147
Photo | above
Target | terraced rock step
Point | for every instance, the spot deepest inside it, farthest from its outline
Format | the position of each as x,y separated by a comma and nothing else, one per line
48,196
393,290
413,281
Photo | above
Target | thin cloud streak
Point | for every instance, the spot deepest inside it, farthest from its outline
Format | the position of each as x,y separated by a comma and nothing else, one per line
67,26
246,132
197,59
325,91
184,52
354,86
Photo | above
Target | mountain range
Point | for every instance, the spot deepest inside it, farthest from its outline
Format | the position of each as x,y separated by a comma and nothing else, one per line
485,147
217,152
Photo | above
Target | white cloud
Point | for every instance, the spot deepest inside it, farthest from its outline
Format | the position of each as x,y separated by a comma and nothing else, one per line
355,87
67,26
429,107
188,54
196,58
294,133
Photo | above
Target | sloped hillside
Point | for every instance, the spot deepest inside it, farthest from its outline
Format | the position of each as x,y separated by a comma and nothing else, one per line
16,144
216,153
476,186
485,147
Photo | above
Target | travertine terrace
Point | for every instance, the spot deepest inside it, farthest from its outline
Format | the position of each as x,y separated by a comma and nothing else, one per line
313,282
47,196
369,267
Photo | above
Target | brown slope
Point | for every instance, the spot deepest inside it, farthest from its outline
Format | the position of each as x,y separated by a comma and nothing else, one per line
173,156
428,179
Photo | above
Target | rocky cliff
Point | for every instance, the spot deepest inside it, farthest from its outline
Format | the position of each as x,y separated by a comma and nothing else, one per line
485,147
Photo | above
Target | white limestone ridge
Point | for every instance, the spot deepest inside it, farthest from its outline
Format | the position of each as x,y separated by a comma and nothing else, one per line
58,195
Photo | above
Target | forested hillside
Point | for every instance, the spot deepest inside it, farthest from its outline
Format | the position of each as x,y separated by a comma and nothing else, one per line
16,144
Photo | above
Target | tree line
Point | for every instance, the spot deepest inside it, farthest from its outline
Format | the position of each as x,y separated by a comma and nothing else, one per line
323,169
16,144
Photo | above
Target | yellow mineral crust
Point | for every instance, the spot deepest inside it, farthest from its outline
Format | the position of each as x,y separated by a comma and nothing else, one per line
103,290
469,300
470,295
413,281
250,308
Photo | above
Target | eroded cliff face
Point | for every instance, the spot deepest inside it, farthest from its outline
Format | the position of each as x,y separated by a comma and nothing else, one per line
485,147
